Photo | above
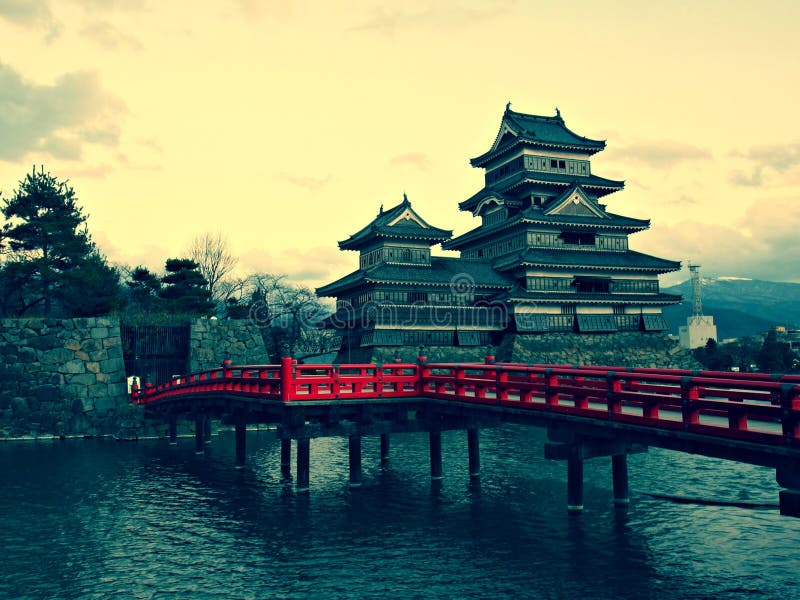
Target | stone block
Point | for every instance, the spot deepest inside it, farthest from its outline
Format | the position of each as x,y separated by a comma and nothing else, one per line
118,390
46,393
57,356
91,345
98,355
44,342
19,406
104,322
98,390
81,355
27,355
112,365
105,404
92,367
99,333
111,341
82,379
73,367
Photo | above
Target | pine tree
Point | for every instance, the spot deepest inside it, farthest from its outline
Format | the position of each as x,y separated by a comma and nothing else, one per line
47,237
185,290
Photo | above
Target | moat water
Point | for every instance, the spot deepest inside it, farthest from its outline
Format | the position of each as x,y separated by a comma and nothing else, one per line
92,519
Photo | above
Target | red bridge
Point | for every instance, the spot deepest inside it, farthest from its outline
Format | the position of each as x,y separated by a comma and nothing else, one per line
588,411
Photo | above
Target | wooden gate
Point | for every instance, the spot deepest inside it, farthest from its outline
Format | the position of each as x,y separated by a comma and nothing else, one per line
155,352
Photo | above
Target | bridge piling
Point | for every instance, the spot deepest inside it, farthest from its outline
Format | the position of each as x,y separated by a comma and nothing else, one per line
199,432
207,430
575,484
474,453
286,460
354,443
435,438
173,430
303,463
384,447
619,473
241,442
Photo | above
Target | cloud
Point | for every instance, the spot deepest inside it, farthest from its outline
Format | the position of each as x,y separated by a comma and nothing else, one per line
762,245
419,160
105,34
659,154
683,200
312,184
778,158
95,172
58,119
35,14
388,22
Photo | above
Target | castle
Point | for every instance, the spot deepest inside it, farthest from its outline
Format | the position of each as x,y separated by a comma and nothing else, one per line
546,276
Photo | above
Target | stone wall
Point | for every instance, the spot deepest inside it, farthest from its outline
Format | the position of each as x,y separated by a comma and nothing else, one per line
62,377
628,349
211,341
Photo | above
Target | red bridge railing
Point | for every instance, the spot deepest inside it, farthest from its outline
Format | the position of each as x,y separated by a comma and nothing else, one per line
744,406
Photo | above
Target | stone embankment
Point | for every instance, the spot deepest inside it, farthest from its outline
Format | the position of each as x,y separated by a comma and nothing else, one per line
61,377
211,341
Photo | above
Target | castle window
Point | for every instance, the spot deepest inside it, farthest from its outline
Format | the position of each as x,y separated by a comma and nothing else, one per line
553,163
575,238
418,297
562,164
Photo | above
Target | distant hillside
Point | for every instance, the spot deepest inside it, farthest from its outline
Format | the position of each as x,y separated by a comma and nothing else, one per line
739,306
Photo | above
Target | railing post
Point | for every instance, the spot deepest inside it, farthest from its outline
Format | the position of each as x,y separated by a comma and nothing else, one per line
790,425
501,385
689,394
287,383
550,388
613,402
422,373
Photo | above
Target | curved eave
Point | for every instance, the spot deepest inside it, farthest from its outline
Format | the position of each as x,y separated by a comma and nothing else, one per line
360,243
448,284
553,265
599,225
487,157
657,300
612,186
478,234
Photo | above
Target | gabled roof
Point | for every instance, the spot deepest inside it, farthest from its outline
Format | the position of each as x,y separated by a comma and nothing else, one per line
599,186
574,202
443,270
399,222
522,129
554,258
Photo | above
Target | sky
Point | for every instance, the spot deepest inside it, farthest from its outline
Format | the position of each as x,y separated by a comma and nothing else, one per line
285,125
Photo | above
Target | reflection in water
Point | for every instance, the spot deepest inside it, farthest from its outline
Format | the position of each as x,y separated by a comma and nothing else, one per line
96,518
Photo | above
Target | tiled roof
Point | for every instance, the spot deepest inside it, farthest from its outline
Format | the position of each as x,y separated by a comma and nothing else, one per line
536,130
600,186
520,295
587,259
443,270
379,227
537,217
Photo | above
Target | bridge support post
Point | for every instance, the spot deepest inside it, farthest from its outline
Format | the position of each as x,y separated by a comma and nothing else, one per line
199,433
384,447
303,463
619,473
474,453
575,484
354,442
173,430
436,454
241,442
207,430
788,476
286,460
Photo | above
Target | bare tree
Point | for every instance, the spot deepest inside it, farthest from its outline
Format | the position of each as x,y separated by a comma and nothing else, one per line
210,251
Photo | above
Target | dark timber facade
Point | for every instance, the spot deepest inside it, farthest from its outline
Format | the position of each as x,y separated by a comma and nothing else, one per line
547,257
